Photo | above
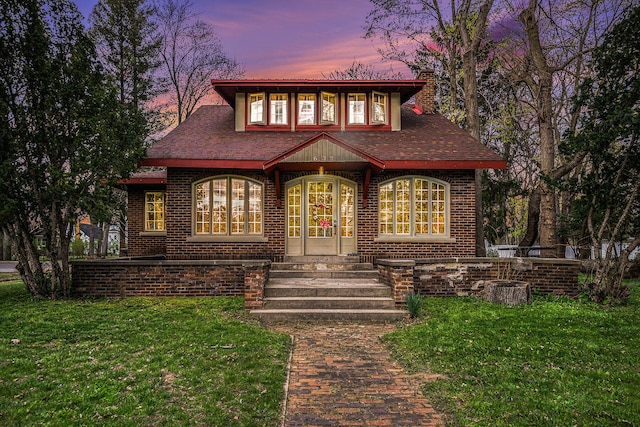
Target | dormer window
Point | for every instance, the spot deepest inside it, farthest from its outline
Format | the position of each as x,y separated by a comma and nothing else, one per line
278,110
328,108
311,110
307,109
257,112
356,108
379,108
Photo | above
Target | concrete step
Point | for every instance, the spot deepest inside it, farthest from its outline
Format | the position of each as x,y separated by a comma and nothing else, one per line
329,303
331,259
364,315
328,288
323,266
326,274
328,299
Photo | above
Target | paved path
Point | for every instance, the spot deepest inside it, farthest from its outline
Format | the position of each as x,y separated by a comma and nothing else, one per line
341,375
8,267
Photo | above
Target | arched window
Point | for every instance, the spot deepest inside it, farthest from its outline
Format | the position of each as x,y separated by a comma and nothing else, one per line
413,206
228,206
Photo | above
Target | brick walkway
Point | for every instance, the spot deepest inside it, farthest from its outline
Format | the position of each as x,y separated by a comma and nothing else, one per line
341,375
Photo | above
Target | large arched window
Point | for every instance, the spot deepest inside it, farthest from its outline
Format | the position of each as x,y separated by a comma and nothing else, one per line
228,206
413,206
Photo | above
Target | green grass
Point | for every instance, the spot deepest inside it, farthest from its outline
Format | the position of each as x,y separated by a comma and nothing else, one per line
553,363
137,361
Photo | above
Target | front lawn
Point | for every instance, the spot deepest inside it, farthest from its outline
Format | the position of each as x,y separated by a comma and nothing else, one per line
137,361
553,363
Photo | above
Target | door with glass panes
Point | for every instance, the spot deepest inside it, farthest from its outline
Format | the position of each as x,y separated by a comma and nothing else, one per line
321,216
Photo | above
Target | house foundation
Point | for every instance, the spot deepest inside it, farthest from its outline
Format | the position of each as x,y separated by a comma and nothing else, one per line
437,277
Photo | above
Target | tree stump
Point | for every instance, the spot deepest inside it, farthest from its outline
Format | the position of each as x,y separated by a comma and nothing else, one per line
509,292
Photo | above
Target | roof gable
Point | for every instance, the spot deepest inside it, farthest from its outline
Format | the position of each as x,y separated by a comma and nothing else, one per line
326,149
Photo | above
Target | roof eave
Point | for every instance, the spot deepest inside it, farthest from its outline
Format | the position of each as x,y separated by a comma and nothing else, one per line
446,164
203,163
228,88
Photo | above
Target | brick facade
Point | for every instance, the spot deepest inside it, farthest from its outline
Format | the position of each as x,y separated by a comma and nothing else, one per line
463,277
177,244
138,243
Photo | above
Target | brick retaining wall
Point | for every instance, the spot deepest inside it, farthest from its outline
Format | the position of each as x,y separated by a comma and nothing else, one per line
466,276
157,277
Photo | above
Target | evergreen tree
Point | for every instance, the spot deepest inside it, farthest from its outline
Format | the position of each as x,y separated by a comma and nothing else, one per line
66,139
128,45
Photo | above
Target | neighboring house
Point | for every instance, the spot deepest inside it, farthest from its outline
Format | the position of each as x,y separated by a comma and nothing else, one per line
310,167
113,245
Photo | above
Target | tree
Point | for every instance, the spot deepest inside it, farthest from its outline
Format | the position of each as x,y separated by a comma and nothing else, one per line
468,23
192,55
128,45
359,71
545,60
65,137
609,187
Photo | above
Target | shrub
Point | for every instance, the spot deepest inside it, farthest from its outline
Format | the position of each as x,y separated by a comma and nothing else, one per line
415,302
77,248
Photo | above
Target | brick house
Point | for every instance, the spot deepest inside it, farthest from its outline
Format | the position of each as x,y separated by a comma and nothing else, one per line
308,168
312,182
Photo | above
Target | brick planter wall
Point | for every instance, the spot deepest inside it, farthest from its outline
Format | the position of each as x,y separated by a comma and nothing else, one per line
156,277
466,276
397,274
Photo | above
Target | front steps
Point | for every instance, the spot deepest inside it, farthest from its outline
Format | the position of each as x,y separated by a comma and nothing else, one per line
323,267
327,289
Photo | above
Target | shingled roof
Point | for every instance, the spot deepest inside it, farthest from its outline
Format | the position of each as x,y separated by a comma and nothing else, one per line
427,141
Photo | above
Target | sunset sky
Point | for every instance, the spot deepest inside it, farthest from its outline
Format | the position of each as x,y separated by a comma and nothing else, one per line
290,39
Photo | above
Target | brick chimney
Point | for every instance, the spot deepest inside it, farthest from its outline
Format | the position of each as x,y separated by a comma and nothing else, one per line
425,98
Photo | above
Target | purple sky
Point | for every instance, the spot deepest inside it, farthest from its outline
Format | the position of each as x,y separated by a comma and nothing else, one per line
289,38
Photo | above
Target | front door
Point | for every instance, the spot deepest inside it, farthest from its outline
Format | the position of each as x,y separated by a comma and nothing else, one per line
321,216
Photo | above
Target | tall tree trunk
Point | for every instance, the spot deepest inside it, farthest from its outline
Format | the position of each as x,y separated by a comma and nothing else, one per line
92,241
473,126
6,246
544,73
28,258
470,46
533,220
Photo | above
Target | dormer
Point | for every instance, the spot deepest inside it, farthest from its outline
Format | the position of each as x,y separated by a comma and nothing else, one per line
323,105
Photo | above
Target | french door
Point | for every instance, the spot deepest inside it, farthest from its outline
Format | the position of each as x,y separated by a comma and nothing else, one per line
321,213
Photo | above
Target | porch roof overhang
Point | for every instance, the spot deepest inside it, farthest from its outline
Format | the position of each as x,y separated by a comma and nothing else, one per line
153,177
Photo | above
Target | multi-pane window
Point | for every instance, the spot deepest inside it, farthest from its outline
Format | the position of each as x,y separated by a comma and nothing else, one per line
328,108
317,108
278,109
379,110
294,205
228,206
413,206
306,109
256,108
356,103
347,210
154,211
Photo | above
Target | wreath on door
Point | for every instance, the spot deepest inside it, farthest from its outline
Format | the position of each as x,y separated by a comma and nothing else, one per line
324,223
